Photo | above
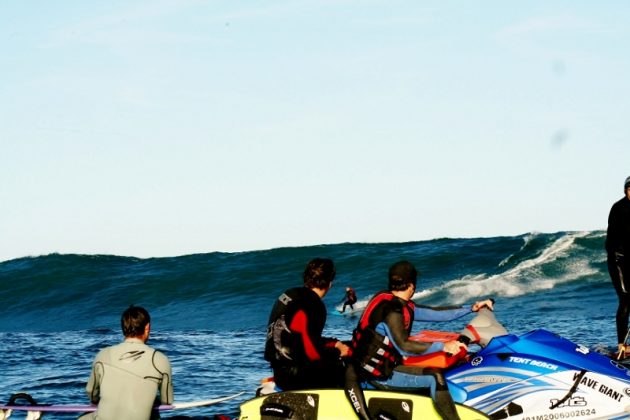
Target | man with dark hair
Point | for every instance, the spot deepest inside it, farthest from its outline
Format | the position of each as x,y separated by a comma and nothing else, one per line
298,354
381,341
126,377
618,250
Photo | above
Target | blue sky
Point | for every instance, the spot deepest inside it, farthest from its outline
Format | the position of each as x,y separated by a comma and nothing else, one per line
160,128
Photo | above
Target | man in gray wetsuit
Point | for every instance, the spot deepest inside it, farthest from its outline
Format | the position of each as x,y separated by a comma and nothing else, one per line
126,377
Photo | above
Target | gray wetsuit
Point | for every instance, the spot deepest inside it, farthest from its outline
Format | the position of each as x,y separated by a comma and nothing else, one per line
125,380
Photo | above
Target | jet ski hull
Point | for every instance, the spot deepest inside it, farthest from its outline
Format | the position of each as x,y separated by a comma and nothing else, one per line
331,404
541,375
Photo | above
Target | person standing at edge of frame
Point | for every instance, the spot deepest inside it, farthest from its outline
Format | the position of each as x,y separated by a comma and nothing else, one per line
618,250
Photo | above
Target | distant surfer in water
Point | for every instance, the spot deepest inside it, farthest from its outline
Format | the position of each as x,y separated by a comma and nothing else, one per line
618,250
298,354
349,299
126,378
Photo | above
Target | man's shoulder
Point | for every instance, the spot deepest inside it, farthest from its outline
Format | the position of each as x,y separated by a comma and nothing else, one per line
298,294
161,360
622,203
107,354
387,302
143,347
135,347
296,291
384,297
149,349
106,351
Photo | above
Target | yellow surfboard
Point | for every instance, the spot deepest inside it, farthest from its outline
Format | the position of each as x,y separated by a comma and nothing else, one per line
330,404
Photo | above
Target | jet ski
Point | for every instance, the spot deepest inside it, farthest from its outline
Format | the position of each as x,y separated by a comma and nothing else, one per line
536,376
541,375
333,404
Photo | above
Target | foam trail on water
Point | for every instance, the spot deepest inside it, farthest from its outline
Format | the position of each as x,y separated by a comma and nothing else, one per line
525,278
359,305
526,241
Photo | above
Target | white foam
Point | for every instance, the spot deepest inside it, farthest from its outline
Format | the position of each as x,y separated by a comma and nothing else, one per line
524,278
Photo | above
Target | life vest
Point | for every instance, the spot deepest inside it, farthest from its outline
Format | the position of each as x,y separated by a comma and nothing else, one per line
374,352
283,346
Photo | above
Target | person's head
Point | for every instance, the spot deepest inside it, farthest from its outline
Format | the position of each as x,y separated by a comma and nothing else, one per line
626,187
401,275
319,273
134,321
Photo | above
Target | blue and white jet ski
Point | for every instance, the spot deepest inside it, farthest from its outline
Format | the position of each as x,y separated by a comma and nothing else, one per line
535,376
540,375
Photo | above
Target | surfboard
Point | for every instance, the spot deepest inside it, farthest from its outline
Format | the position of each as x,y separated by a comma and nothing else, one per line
348,312
333,404
83,408
337,312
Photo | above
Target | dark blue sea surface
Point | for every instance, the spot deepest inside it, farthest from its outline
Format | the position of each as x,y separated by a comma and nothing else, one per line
209,311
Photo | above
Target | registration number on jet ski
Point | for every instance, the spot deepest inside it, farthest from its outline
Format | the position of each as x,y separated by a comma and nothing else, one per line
563,415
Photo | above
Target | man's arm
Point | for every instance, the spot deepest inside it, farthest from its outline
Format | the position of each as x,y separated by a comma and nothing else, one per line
445,313
314,346
449,313
612,241
163,365
394,328
93,387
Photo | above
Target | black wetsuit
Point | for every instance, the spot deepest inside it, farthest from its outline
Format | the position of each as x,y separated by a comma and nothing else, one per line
618,249
299,356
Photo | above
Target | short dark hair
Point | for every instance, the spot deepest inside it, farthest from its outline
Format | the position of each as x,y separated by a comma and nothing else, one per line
134,320
319,273
401,275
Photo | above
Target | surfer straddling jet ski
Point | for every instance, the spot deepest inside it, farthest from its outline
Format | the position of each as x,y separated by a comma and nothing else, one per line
298,354
381,344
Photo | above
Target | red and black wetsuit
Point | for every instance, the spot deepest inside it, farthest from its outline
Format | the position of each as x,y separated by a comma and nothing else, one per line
299,356
379,343
618,249
377,353
350,299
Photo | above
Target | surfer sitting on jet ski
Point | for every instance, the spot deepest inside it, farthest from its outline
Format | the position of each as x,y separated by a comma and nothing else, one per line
381,342
299,356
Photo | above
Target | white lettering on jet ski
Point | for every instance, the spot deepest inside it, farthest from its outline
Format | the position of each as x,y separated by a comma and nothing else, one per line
571,402
582,349
532,362
490,379
354,400
274,409
543,365
406,407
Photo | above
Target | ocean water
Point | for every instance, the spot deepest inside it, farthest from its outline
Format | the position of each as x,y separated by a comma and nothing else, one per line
209,311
